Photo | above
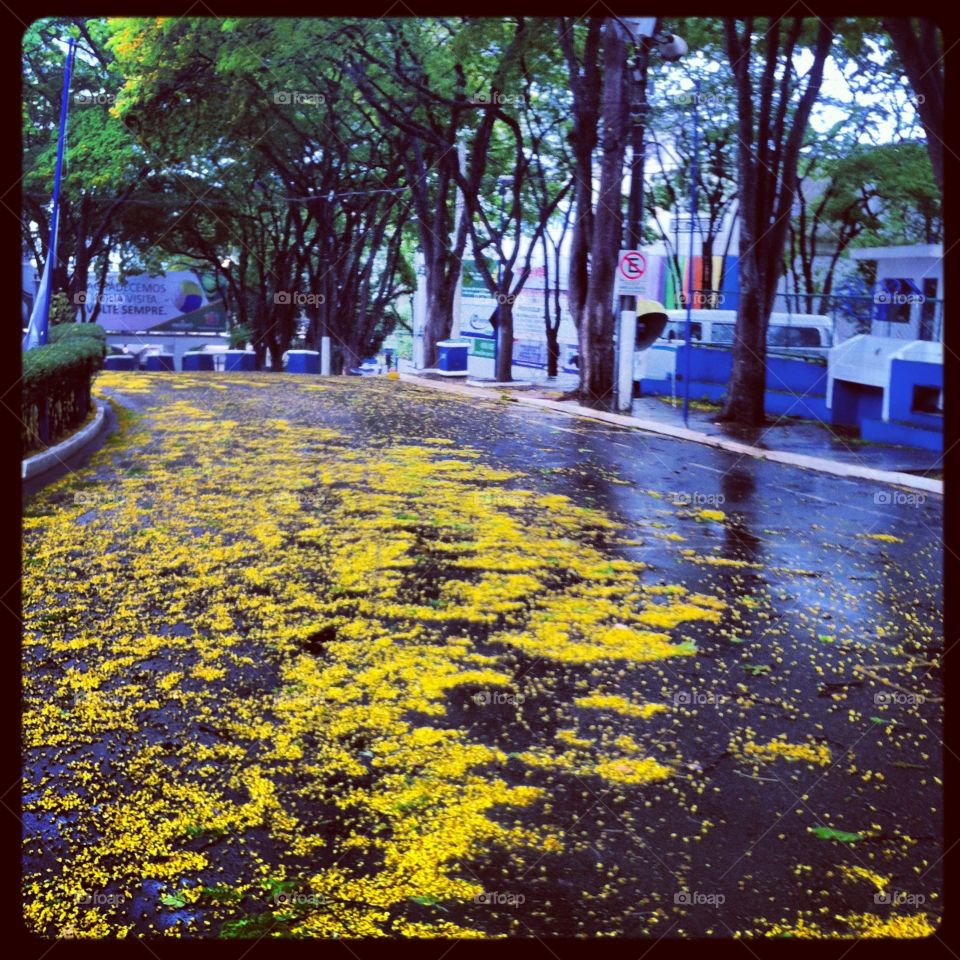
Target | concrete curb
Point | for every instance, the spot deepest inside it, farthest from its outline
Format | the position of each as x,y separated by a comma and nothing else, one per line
850,471
41,462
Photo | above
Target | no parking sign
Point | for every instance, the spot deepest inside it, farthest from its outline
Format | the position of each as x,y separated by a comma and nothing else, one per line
633,275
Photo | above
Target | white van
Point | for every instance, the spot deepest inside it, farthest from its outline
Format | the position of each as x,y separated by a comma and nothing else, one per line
793,334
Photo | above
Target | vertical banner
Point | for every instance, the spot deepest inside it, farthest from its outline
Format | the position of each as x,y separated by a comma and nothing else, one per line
36,335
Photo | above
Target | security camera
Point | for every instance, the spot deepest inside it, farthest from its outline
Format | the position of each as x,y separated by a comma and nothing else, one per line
671,47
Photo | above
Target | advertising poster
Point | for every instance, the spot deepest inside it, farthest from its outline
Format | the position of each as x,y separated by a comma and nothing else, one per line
178,302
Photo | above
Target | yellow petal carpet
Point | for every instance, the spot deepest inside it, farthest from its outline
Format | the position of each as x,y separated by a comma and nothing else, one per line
250,645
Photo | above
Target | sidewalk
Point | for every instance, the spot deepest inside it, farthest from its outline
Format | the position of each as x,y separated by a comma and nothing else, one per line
798,443
797,436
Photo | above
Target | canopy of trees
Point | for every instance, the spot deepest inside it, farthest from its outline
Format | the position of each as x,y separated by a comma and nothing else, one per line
307,162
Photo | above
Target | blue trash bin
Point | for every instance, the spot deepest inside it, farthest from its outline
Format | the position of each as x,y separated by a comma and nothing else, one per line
160,361
239,360
197,361
452,356
303,361
120,361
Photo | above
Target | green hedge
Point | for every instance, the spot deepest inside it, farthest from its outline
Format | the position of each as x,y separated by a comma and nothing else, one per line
55,394
70,331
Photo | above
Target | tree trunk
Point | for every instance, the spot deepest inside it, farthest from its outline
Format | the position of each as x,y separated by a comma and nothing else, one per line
586,89
635,203
276,356
748,378
504,334
553,353
441,287
101,285
350,358
706,280
313,326
598,322
767,156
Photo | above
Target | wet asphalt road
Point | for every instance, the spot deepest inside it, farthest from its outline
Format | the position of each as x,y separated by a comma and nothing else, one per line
814,601
822,576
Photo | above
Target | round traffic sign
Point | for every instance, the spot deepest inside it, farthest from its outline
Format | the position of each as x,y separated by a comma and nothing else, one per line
633,265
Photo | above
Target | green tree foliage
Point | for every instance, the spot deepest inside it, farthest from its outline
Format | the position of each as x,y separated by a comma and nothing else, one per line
104,165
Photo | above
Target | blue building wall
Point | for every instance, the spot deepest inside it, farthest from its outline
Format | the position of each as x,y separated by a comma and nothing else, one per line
795,387
904,376
902,434
855,402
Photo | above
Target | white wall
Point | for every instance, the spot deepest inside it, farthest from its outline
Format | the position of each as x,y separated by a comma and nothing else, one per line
916,269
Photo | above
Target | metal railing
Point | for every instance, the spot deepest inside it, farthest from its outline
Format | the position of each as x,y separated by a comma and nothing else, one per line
850,314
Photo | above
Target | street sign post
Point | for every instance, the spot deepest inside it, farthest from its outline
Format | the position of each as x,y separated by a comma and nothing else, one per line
637,276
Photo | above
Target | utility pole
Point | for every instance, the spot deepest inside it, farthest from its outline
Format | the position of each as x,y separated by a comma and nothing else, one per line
687,346
644,34
641,30
461,213
639,111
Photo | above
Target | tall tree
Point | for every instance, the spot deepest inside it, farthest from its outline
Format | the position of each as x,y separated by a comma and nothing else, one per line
412,74
597,227
311,180
772,121
105,167
524,123
854,194
920,48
